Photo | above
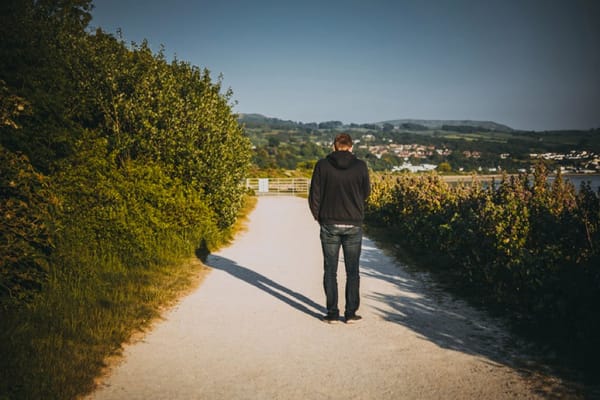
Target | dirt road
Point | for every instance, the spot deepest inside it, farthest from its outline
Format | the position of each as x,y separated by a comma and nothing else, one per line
253,331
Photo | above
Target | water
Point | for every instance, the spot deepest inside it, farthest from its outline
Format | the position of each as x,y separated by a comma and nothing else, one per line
577,180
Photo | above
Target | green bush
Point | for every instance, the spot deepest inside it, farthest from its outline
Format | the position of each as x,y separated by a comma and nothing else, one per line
26,236
527,247
137,149
129,211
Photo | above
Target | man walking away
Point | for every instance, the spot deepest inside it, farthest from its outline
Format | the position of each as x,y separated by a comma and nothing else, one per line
338,191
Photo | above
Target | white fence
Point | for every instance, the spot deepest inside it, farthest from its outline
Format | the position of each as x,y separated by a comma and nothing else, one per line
278,186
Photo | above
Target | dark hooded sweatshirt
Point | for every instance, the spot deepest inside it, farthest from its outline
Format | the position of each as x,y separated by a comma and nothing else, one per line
339,189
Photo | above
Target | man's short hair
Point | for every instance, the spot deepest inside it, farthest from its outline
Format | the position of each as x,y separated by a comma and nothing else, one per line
342,141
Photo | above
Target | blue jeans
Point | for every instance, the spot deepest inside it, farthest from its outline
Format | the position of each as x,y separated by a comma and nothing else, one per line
350,239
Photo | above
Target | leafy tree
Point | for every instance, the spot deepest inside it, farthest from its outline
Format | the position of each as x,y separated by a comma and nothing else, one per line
330,124
40,40
387,128
273,141
149,129
25,237
174,114
444,167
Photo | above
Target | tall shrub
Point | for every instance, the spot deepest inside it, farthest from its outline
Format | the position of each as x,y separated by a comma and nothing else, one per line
528,246
26,236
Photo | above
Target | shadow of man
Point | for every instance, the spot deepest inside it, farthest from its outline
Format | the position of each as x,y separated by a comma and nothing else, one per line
280,292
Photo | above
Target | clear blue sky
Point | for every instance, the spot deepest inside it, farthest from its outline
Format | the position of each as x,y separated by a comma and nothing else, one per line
530,64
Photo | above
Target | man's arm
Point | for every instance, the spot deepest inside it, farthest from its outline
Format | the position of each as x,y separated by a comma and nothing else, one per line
314,196
366,183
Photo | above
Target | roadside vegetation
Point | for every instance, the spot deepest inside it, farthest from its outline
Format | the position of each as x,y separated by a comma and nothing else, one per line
116,167
527,249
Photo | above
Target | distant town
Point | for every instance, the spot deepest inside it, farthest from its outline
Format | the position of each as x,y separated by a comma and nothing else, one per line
574,161
460,147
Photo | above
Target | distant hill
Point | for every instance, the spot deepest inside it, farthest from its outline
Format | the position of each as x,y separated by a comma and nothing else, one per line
259,120
262,121
253,118
441,124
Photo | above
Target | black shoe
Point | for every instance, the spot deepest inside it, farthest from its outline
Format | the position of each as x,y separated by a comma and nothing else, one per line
351,319
331,319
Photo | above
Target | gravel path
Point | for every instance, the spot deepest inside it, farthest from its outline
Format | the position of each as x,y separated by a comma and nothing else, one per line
252,331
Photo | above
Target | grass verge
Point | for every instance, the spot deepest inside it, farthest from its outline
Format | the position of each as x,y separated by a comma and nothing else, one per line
57,345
